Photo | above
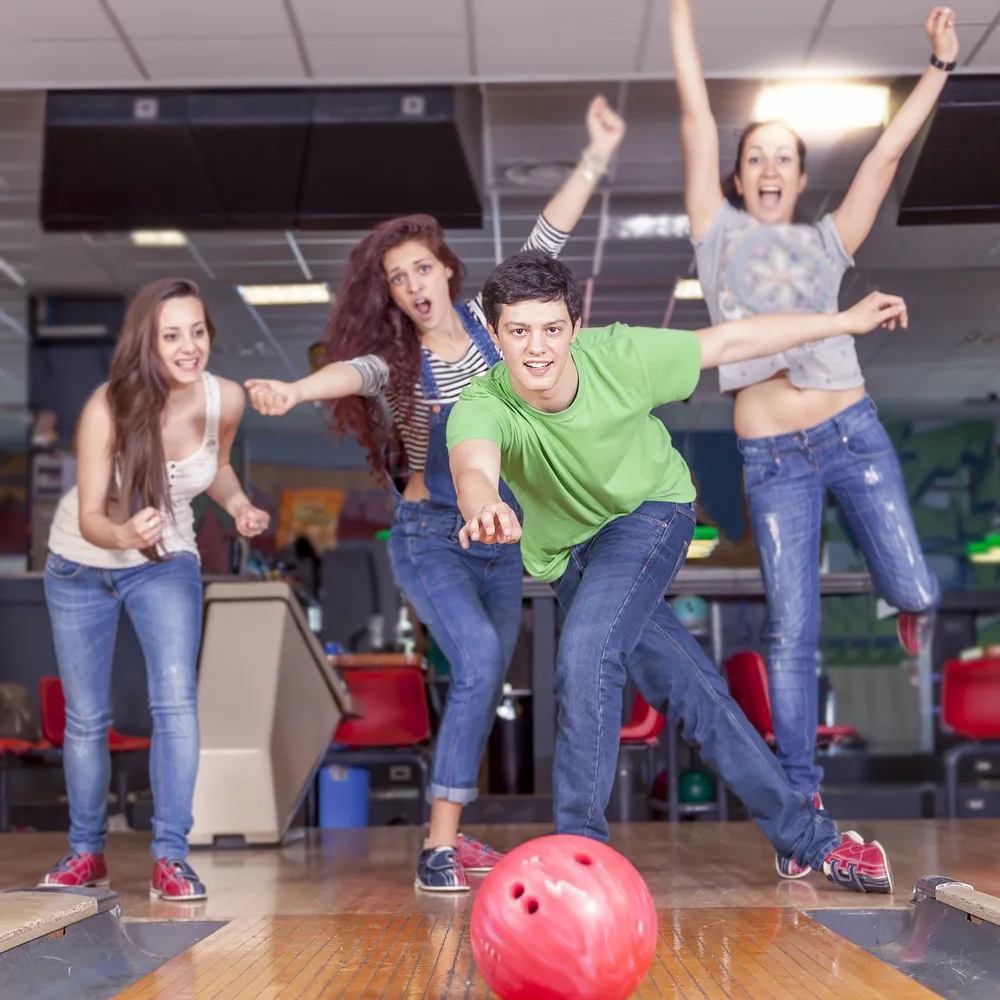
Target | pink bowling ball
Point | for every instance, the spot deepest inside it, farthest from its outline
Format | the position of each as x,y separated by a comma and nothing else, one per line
563,917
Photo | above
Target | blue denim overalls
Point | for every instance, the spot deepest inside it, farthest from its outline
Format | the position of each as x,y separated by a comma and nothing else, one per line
469,599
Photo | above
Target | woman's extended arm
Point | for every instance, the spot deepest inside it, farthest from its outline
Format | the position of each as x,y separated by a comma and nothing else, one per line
856,214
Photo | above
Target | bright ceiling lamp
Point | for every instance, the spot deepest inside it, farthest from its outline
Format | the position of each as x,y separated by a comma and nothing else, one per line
644,227
704,543
824,107
688,289
285,295
159,238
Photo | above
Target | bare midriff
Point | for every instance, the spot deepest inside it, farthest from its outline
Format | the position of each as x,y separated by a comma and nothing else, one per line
776,407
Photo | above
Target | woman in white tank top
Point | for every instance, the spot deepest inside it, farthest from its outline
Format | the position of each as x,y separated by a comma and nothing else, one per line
153,438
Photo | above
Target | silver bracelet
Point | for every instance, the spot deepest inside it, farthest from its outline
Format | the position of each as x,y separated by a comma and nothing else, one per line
593,167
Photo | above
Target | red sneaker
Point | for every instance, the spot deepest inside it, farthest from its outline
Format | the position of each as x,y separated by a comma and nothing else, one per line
859,866
475,856
78,870
176,880
789,867
914,631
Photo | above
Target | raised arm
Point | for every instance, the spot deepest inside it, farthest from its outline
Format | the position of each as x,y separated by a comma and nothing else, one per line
699,133
761,336
475,468
856,214
605,130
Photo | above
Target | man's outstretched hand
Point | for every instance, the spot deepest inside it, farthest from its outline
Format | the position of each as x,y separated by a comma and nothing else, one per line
494,524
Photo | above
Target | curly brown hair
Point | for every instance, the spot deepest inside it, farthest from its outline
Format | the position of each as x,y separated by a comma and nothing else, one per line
365,320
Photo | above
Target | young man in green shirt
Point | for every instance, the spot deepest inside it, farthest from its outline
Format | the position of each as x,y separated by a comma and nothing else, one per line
608,508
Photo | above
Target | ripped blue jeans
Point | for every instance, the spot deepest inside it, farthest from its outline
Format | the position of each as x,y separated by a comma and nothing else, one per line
786,479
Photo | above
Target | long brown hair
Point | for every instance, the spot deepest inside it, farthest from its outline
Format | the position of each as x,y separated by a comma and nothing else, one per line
365,320
137,394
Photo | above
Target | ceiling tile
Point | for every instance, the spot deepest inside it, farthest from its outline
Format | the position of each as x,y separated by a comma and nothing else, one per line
249,61
988,57
76,20
555,22
765,15
880,50
406,19
66,64
865,13
726,52
533,54
200,19
383,60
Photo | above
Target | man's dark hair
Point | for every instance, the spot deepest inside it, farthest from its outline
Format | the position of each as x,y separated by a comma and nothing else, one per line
530,275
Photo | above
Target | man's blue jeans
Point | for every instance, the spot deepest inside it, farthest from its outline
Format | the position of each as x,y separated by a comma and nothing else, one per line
616,622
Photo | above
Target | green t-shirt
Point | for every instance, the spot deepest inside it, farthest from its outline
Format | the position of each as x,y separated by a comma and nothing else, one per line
575,471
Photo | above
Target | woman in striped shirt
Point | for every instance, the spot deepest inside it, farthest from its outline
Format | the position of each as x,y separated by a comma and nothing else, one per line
396,333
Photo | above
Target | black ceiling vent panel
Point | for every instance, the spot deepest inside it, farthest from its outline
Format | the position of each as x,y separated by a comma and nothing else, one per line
253,144
116,161
377,154
954,177
266,160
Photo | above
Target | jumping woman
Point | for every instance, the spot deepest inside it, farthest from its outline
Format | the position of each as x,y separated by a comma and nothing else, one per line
397,331
803,419
153,438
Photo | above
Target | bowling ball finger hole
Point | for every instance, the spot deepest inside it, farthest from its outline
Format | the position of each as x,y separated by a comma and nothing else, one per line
517,891
582,859
531,906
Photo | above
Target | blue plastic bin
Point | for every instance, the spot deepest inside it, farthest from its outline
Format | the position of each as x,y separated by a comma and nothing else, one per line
343,797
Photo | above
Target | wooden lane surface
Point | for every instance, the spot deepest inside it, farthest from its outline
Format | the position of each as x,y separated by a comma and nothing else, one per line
713,954
686,865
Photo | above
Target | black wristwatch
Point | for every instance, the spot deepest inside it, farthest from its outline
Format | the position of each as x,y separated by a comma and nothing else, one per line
937,64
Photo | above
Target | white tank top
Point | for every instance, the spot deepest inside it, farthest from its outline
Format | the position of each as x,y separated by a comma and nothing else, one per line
186,479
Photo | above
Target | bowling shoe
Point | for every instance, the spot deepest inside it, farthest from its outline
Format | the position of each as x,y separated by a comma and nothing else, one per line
859,866
439,870
789,867
476,857
78,870
176,881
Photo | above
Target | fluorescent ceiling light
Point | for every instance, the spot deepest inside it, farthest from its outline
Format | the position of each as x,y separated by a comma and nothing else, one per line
644,227
688,289
159,238
824,107
285,295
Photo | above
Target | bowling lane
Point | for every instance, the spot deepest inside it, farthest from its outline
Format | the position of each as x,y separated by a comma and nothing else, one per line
370,870
774,953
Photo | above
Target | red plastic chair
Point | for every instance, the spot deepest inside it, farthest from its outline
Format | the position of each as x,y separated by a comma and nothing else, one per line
644,725
970,707
53,717
395,706
640,735
748,685
396,724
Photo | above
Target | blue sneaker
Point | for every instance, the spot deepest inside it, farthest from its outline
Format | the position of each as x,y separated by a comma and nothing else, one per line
439,870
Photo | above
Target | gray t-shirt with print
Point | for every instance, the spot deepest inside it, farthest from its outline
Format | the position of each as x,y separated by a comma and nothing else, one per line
751,268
